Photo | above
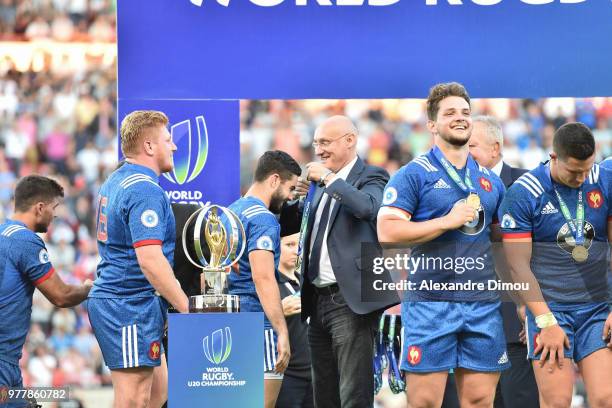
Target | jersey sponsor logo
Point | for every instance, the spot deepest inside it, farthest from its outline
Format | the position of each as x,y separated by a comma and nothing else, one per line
486,184
189,162
218,346
390,196
43,256
149,219
154,350
549,208
594,199
503,359
264,242
441,184
566,240
414,355
508,221
477,225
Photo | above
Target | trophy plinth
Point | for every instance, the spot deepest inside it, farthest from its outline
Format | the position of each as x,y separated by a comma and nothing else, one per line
225,238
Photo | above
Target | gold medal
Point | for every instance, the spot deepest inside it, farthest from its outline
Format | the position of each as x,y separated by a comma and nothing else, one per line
580,253
473,201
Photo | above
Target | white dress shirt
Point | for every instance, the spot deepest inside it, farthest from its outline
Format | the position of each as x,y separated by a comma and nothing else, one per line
498,167
326,274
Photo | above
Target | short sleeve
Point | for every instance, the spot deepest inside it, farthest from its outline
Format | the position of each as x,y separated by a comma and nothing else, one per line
146,219
501,191
515,213
34,259
402,190
263,234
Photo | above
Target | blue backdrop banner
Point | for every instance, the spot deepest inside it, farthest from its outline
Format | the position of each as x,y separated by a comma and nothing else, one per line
207,160
298,49
216,360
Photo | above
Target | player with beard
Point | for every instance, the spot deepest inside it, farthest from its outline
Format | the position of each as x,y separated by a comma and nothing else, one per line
556,223
444,205
256,279
24,266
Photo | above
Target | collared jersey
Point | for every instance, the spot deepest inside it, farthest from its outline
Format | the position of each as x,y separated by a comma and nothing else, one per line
133,211
24,263
531,210
425,190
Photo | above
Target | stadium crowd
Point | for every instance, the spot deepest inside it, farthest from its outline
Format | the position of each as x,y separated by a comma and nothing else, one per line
59,20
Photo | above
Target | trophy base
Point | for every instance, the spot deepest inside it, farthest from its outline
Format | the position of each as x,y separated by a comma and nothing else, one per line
214,304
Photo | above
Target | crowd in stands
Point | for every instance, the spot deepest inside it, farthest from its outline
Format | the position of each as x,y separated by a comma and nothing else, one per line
64,125
59,20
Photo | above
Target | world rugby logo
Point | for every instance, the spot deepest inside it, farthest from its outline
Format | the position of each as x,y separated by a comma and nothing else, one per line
192,151
218,346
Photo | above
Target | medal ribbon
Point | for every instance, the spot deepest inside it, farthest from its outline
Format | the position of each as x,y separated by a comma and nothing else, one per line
305,214
465,185
576,227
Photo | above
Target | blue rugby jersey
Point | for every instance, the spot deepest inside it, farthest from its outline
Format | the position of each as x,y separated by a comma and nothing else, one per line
24,263
133,211
425,190
262,233
531,209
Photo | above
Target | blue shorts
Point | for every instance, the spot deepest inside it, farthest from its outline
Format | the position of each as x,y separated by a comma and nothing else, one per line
252,304
583,326
270,355
10,377
129,330
439,336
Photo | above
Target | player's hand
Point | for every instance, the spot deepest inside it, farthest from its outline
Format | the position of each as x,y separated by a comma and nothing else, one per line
607,331
284,353
301,188
552,342
521,313
460,214
315,171
88,283
292,305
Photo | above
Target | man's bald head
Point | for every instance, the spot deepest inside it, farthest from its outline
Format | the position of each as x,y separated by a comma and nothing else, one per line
335,142
337,124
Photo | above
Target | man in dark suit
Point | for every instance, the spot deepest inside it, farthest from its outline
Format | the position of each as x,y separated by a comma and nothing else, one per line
517,387
340,215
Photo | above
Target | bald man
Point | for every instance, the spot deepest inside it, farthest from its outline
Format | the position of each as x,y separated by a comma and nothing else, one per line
340,214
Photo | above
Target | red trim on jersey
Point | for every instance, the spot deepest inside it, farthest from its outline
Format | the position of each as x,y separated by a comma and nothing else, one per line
44,277
511,235
402,210
146,242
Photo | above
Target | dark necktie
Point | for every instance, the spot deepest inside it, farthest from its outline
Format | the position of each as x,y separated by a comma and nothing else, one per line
315,254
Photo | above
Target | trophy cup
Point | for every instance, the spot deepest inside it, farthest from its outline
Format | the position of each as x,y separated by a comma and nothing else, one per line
221,231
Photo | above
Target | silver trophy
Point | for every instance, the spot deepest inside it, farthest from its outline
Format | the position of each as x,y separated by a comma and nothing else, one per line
225,239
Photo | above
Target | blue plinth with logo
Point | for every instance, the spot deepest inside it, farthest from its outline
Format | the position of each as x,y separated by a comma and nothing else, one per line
217,360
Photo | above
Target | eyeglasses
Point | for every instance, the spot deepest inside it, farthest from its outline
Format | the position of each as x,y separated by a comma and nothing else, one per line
326,143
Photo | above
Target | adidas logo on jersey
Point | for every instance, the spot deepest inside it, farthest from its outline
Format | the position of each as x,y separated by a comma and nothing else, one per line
549,208
503,359
441,184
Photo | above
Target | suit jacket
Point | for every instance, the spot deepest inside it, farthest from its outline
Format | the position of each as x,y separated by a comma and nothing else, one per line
512,325
352,221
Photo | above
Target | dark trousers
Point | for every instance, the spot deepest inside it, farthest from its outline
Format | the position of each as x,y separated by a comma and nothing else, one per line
517,386
295,393
341,348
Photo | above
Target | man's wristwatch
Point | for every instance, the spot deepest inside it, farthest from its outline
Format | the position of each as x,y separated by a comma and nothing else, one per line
325,176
